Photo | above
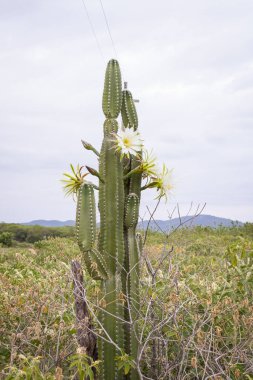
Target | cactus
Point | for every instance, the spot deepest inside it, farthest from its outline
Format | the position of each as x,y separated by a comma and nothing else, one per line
114,260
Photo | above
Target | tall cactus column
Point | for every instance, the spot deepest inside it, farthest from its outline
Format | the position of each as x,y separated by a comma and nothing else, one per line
111,207
115,262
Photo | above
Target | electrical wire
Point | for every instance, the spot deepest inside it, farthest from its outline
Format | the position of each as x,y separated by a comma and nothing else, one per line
108,29
93,30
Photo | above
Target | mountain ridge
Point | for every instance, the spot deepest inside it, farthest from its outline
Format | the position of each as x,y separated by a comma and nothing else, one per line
165,225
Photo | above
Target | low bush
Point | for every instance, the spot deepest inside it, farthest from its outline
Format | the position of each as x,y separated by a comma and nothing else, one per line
6,239
32,234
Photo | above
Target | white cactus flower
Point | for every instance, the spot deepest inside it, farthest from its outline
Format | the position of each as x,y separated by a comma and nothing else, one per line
148,164
163,180
128,142
72,182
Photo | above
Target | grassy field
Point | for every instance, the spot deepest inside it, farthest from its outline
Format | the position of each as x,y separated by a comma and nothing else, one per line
202,292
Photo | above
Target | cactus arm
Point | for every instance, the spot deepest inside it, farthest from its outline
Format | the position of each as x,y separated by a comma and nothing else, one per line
128,110
134,275
131,220
86,217
132,210
132,180
131,289
86,232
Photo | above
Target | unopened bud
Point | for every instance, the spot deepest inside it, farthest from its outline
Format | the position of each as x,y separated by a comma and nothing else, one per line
86,145
94,172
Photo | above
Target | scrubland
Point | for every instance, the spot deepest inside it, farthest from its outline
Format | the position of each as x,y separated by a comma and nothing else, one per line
196,319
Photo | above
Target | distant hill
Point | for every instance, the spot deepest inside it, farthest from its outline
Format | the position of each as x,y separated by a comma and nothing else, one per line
50,223
189,221
165,225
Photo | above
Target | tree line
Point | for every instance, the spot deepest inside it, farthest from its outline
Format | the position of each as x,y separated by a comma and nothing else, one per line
10,232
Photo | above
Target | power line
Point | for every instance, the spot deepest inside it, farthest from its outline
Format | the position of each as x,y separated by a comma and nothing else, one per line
93,30
108,29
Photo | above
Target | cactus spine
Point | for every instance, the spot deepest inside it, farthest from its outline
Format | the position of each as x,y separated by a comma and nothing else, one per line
116,260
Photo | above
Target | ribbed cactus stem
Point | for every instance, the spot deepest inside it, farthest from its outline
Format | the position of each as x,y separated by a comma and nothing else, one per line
131,220
86,232
132,210
111,199
128,110
132,179
134,296
112,96
116,260
111,239
86,217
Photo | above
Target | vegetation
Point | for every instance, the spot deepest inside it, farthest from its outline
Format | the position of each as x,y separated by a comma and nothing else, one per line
18,233
6,239
202,293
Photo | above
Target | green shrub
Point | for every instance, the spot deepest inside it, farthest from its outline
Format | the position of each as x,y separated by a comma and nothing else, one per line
6,239
31,234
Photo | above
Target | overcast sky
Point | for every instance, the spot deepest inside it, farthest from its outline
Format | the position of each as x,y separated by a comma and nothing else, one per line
190,63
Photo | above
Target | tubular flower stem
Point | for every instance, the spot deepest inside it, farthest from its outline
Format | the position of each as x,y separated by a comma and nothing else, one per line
149,185
95,173
134,171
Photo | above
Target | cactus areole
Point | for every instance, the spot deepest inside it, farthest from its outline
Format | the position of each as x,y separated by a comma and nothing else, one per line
114,259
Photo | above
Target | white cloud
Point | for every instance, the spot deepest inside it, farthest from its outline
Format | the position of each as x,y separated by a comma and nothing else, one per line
189,63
